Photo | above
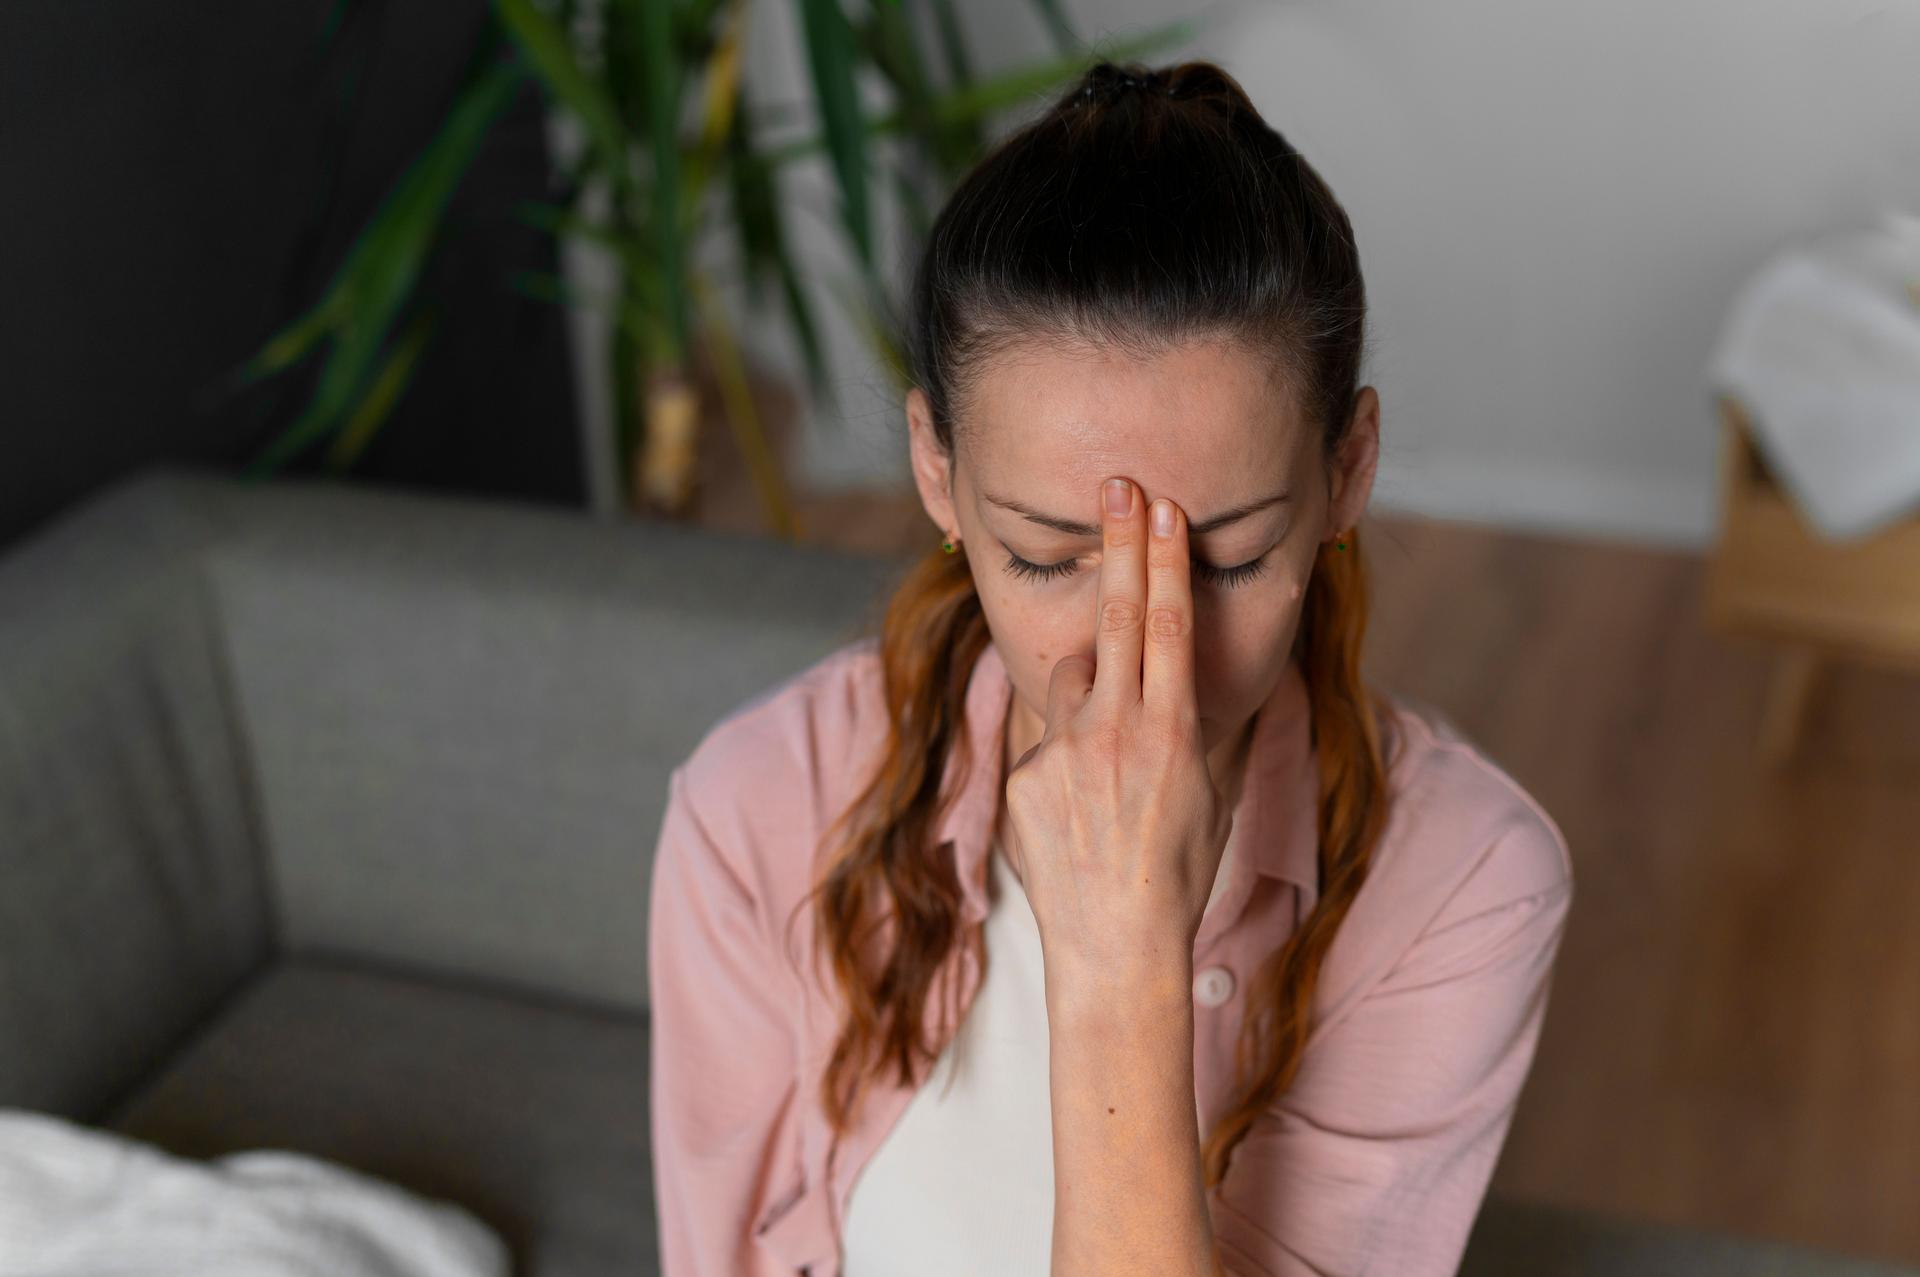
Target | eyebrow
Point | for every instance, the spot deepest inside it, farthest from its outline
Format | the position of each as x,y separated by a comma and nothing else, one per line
1195,527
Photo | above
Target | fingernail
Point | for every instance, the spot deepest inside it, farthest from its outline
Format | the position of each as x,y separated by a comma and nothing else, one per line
1119,498
1162,511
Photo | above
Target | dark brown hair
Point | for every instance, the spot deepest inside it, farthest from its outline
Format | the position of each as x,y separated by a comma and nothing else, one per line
1143,208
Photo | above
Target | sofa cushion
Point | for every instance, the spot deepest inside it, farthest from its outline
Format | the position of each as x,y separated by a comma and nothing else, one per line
531,1114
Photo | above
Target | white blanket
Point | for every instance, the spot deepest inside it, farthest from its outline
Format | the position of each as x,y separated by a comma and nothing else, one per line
76,1201
1822,348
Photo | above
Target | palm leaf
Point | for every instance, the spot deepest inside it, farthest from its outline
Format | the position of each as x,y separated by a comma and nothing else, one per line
719,95
549,51
760,229
830,56
385,263
660,72
381,397
639,265
994,94
953,42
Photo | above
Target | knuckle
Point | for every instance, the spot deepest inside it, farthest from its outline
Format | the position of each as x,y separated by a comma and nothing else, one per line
1019,781
1091,735
1166,621
1027,786
1118,614
1107,739
1174,730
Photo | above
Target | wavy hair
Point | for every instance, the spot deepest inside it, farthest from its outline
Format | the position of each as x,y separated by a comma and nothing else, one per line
1142,208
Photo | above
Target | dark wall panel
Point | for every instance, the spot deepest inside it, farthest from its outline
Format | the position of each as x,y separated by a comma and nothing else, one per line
176,181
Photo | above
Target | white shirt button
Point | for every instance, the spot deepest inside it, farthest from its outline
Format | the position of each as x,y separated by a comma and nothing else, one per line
1213,986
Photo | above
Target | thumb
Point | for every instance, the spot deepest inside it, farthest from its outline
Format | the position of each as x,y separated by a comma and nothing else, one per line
1068,688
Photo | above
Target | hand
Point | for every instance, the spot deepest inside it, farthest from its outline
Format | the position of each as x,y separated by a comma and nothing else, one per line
1115,824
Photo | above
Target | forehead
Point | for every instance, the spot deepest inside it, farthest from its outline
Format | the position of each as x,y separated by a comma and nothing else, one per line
1205,423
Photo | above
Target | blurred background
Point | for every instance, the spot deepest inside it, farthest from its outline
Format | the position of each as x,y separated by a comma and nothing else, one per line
1645,287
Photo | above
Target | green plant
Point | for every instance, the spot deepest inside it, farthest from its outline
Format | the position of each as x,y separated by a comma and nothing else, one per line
646,190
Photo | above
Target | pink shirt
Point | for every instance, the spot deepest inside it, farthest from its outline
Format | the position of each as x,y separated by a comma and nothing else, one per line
1427,1012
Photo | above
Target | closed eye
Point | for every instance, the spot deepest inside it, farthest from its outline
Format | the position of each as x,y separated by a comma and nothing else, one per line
1205,572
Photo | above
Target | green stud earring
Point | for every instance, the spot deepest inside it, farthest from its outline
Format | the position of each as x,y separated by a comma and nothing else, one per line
948,546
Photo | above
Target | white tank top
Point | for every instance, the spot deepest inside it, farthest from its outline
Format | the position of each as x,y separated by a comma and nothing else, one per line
963,1182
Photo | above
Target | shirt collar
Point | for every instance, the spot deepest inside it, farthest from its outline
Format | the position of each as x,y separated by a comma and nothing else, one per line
1275,826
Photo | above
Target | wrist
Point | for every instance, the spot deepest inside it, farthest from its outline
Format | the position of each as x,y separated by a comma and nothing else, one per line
1109,993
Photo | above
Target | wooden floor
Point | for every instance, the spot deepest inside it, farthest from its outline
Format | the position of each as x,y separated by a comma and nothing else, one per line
1733,1040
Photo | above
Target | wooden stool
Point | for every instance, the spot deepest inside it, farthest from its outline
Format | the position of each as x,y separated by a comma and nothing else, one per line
1772,576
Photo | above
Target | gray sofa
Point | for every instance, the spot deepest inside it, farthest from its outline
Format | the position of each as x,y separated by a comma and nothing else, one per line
328,813
325,822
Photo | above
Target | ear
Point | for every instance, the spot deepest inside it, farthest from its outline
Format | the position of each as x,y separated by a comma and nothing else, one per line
1352,478
932,464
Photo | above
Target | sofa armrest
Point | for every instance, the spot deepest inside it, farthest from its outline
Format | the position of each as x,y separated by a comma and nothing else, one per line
131,892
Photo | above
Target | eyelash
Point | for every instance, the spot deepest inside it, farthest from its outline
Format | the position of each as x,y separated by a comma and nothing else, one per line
1229,577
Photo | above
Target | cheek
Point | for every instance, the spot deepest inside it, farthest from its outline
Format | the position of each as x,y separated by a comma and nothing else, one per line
1237,633
1030,623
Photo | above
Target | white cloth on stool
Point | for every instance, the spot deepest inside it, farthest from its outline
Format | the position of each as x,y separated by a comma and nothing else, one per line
1822,350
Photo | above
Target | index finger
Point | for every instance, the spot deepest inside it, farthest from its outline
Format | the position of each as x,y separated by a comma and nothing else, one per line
1167,678
1123,600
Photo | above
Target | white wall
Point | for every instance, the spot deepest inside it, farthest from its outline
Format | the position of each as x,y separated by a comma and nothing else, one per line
1555,204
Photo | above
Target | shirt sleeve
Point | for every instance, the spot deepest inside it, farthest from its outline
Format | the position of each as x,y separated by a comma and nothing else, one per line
723,1082
1376,1160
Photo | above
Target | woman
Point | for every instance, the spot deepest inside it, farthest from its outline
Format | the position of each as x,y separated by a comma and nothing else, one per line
1269,954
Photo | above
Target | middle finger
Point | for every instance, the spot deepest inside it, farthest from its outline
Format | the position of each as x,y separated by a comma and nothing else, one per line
1123,595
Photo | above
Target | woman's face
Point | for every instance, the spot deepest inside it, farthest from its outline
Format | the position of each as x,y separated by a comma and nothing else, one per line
1201,425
